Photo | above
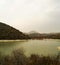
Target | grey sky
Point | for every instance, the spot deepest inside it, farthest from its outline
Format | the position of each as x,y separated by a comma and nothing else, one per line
28,15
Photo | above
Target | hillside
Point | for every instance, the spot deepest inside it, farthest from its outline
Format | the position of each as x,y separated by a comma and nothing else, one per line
7,32
37,35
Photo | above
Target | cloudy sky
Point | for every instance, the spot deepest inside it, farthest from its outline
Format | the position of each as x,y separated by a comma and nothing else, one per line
31,15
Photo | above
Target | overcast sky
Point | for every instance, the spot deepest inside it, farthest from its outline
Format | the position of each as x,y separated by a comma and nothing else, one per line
31,15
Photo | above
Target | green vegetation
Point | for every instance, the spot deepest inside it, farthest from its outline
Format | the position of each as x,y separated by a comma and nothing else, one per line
18,58
10,33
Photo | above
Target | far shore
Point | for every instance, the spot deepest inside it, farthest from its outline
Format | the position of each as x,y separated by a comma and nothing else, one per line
12,40
21,40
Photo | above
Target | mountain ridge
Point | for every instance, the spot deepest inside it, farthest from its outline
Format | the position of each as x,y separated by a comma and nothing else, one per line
10,33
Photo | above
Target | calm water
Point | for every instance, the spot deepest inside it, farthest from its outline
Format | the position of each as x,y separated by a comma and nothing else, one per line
45,47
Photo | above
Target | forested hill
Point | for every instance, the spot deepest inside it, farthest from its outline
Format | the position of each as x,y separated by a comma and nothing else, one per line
9,33
36,35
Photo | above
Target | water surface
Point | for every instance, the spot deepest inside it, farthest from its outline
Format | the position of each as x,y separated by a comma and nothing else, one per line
40,47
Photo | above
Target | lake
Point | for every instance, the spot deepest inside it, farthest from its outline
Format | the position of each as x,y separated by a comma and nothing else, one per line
40,47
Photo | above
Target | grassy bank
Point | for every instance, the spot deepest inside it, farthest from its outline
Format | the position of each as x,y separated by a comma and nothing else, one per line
17,57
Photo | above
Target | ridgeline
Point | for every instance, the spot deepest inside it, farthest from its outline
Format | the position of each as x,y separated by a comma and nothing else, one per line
9,33
36,35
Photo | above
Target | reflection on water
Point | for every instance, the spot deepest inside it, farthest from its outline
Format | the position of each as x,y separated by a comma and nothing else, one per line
45,47
58,48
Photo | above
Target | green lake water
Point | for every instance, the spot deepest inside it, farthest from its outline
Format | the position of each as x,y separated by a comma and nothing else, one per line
40,47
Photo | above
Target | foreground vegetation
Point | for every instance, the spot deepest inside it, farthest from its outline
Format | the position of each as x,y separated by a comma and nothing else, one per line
18,58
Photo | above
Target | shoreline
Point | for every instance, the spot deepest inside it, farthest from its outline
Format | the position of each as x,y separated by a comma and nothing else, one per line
21,40
12,40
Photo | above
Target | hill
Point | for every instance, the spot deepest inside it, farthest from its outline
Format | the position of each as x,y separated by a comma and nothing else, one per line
9,33
37,35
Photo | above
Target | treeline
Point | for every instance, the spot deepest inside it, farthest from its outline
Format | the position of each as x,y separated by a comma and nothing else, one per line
53,36
44,36
18,58
10,33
